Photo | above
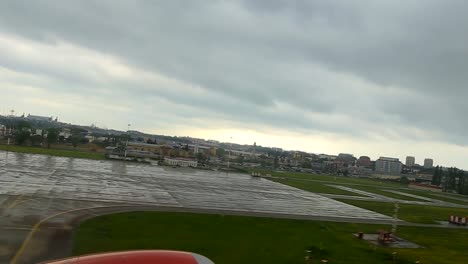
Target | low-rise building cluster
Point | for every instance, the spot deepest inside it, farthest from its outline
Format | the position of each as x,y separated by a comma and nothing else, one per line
182,151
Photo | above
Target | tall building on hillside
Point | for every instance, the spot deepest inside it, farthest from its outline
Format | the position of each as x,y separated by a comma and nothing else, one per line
410,161
428,163
388,165
364,161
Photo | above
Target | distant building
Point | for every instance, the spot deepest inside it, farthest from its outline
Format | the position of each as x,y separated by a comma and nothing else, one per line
96,139
211,152
427,187
410,161
345,156
39,118
37,132
181,162
241,153
428,163
333,166
364,161
297,155
423,178
327,157
89,138
359,171
65,133
163,150
347,159
387,165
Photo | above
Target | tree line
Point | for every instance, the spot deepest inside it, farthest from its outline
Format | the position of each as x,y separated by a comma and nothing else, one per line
451,180
23,136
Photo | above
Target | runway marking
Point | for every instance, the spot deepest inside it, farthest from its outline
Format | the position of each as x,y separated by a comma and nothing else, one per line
18,203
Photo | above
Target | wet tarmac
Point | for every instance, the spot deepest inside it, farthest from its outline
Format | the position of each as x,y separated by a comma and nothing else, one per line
35,188
109,181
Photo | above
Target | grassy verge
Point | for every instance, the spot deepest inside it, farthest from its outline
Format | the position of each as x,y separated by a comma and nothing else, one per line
54,152
442,196
378,190
316,187
236,239
317,183
303,181
409,212
332,179
441,244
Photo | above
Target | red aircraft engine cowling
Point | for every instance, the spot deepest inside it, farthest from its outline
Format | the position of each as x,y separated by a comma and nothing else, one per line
138,257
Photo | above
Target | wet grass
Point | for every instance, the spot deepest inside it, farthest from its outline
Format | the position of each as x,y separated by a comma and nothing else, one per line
236,239
316,187
378,190
313,183
332,179
438,196
412,213
54,152
318,184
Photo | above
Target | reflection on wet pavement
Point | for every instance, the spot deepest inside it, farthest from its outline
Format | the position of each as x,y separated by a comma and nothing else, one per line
41,176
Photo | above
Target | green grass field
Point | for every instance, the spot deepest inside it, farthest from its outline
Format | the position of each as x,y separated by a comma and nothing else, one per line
316,187
54,152
236,239
334,179
318,184
378,190
409,212
443,196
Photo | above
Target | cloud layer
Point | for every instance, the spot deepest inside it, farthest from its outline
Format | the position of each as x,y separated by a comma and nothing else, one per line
364,71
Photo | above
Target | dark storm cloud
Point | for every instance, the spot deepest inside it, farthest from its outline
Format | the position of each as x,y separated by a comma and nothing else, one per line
391,67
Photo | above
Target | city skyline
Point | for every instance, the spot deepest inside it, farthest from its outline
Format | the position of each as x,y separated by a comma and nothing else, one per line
404,162
376,79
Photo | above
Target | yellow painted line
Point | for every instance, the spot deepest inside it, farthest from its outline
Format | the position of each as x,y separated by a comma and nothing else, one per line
36,227
15,202
18,203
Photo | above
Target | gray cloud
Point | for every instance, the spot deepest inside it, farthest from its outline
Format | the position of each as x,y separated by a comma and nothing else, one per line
391,67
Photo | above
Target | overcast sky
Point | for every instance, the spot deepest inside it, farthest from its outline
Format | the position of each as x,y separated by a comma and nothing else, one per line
377,78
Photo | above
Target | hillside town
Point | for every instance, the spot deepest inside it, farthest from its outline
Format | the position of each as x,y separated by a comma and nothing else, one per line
132,145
